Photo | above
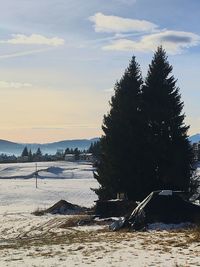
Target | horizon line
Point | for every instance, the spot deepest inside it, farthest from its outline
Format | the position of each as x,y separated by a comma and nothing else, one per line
41,143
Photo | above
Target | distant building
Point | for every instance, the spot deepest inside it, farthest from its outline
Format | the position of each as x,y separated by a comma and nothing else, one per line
196,151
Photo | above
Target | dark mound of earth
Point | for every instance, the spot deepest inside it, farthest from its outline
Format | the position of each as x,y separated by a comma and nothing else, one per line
62,207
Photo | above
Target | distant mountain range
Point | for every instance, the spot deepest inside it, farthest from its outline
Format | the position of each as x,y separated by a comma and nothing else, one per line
195,138
11,148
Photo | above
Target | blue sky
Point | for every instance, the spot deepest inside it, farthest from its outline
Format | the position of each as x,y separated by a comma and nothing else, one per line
59,60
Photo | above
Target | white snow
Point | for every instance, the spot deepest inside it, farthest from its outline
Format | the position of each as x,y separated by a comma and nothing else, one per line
21,195
60,170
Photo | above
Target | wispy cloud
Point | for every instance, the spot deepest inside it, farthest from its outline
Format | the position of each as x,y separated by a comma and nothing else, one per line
33,39
174,41
115,24
116,36
24,53
16,85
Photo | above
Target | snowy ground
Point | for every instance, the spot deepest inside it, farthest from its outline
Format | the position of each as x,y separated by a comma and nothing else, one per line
44,242
28,240
59,180
56,169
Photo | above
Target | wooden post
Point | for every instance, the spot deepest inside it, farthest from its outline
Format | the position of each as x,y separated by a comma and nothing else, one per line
36,174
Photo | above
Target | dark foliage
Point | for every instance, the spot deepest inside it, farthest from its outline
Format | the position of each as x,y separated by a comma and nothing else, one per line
38,152
72,151
76,154
145,145
8,159
38,155
168,164
95,149
119,166
25,152
30,155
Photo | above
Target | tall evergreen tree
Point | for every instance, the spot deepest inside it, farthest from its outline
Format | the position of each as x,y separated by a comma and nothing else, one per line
38,155
30,155
25,152
38,152
167,151
76,154
67,151
119,165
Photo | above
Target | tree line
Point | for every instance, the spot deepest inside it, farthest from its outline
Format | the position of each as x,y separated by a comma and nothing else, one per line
60,155
28,156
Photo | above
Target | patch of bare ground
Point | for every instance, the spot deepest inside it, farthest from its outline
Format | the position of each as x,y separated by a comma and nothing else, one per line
167,240
70,235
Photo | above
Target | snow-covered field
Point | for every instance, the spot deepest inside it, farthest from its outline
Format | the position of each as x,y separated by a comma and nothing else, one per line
28,240
57,180
56,169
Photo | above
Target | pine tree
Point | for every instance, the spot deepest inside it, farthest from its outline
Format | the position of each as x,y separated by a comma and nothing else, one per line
38,152
30,155
119,167
76,154
95,149
67,151
25,152
38,155
167,151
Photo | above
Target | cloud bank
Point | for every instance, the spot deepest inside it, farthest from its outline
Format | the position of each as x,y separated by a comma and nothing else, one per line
151,36
173,41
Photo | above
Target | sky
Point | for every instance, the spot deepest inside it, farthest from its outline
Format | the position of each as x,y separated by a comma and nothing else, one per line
60,59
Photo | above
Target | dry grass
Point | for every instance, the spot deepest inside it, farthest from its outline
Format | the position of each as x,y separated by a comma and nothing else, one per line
59,238
194,235
67,235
